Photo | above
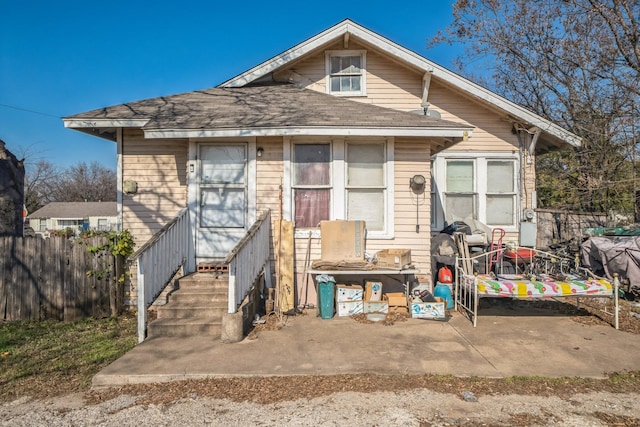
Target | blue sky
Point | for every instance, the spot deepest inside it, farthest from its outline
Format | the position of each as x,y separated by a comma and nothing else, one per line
67,57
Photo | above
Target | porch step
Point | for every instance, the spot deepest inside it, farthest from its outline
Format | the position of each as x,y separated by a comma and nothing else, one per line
184,327
195,307
183,311
211,281
192,297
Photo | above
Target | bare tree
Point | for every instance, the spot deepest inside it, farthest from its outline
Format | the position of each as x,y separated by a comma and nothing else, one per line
86,183
575,62
41,178
44,183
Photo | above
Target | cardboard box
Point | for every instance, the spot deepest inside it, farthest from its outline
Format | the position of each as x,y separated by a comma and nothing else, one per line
396,299
349,308
373,291
346,293
376,307
404,310
429,310
393,258
342,240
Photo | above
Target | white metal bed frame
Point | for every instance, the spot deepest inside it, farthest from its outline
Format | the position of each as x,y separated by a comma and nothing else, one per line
467,297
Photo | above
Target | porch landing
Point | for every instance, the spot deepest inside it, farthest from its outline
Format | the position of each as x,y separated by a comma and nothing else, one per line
513,342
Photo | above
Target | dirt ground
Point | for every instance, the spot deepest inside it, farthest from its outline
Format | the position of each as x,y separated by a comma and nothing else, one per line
357,399
341,401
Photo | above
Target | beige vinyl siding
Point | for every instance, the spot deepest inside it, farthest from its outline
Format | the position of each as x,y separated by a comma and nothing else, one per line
392,85
492,132
308,72
389,84
269,174
159,167
412,156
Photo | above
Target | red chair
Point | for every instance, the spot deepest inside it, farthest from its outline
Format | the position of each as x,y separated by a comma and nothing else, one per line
495,248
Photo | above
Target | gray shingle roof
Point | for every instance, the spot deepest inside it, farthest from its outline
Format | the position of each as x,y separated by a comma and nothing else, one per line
272,106
75,210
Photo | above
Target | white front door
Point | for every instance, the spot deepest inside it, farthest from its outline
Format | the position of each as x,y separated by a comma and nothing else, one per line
222,207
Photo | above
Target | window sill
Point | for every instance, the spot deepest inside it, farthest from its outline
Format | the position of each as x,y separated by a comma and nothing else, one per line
348,94
303,233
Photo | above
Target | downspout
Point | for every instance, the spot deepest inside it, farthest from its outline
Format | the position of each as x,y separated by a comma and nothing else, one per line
521,185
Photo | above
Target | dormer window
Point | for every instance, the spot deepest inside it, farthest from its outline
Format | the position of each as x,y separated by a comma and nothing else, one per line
346,72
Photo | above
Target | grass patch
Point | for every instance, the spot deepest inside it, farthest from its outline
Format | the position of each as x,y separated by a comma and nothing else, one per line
41,359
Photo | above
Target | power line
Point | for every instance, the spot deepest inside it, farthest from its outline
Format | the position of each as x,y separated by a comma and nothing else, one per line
29,111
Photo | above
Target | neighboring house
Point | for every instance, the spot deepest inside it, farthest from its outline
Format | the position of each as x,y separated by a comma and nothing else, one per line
78,216
339,126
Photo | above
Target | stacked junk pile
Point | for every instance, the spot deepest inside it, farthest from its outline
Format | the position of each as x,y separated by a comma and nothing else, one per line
610,251
350,282
604,251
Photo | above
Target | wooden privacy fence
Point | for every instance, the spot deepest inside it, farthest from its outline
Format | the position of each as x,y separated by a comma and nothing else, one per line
558,225
54,278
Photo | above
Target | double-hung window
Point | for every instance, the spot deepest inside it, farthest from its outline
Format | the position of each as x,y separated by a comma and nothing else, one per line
461,196
501,192
341,180
366,184
346,75
311,184
482,188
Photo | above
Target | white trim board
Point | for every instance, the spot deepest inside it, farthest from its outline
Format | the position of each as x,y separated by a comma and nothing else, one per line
311,131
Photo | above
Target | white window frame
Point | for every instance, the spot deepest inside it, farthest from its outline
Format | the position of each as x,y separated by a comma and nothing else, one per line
513,193
329,186
338,207
103,224
384,187
439,170
363,71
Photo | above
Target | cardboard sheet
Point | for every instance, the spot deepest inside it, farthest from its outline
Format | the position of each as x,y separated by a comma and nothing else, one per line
342,240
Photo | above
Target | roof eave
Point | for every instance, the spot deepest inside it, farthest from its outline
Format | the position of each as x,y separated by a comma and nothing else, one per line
84,123
102,128
454,133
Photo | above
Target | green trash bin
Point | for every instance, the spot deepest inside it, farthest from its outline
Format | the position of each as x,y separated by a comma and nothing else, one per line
326,292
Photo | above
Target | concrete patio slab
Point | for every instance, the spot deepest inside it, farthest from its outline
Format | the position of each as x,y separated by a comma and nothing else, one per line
519,342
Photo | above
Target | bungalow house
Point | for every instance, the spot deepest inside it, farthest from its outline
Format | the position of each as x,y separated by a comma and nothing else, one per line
77,216
344,125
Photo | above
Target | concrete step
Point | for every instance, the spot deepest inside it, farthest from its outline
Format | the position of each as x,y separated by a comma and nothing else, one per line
177,327
195,296
183,311
217,281
195,307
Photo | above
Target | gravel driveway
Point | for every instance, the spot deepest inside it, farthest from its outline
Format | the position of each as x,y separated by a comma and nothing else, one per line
418,407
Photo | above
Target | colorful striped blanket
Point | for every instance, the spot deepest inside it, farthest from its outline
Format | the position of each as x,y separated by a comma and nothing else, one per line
516,286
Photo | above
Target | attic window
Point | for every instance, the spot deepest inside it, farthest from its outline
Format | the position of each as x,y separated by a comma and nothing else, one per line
346,72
